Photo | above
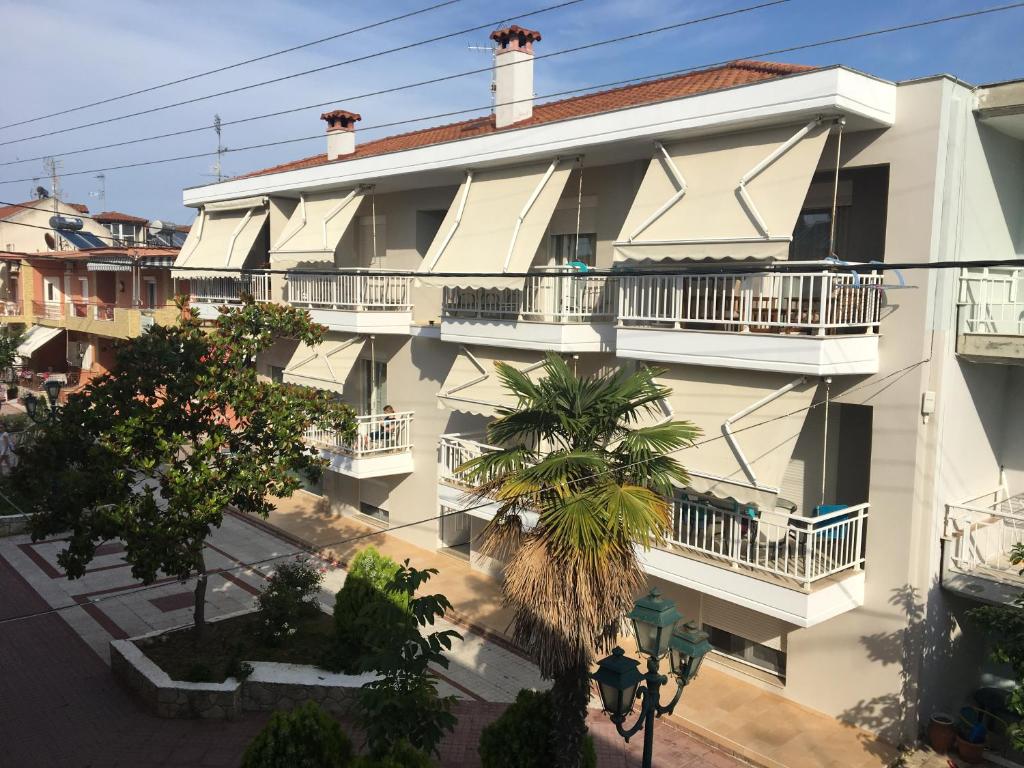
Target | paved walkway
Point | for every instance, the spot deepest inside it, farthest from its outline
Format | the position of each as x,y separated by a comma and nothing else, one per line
60,706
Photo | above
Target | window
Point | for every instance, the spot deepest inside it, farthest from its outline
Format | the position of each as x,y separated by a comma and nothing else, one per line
427,225
747,651
150,293
276,373
308,484
375,386
564,250
123,233
813,231
377,513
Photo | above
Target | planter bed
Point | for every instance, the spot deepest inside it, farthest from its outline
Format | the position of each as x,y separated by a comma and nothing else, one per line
276,681
13,524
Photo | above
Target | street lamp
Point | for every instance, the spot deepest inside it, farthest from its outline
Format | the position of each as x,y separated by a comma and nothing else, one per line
52,389
656,625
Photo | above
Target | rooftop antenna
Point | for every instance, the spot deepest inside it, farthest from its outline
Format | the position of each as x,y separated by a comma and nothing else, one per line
53,166
101,193
218,168
493,50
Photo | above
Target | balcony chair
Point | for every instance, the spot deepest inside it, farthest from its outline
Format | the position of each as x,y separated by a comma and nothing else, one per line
773,532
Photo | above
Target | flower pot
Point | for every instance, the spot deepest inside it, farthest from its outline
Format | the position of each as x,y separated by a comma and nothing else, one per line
941,732
969,751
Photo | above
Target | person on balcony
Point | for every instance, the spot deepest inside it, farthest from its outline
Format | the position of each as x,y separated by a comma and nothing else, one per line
384,431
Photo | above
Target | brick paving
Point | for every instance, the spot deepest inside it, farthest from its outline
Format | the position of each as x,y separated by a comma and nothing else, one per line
60,706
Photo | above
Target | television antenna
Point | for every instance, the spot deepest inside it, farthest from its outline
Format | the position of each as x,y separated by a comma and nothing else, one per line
218,168
101,193
53,167
493,51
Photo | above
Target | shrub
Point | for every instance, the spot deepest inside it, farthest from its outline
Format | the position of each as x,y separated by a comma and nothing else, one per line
521,737
289,595
402,755
306,737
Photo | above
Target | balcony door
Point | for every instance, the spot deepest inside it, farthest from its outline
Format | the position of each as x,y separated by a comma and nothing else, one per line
375,386
53,296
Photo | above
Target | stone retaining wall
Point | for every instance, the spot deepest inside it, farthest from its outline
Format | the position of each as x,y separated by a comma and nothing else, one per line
272,685
13,524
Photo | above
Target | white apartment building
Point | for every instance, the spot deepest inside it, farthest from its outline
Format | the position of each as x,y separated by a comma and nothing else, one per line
687,224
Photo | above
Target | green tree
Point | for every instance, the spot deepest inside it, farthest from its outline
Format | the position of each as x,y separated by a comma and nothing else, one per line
181,429
305,737
577,459
10,338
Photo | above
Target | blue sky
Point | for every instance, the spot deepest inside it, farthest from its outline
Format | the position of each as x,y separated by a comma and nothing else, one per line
59,55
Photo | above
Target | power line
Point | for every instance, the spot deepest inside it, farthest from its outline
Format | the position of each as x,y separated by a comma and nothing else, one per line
773,52
347,540
433,81
283,78
237,64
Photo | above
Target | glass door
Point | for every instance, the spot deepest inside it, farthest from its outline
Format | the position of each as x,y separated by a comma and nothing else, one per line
375,387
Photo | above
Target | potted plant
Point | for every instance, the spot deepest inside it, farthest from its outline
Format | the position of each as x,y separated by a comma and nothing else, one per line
970,742
941,732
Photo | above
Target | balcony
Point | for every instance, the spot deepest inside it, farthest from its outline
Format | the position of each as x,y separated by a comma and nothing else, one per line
816,323
557,312
12,312
976,545
354,301
990,315
96,317
208,293
381,446
803,570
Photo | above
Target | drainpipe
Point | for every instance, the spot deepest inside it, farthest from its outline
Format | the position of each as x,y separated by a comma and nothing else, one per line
727,424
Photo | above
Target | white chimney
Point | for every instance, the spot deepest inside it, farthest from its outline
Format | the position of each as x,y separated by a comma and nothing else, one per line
513,75
341,132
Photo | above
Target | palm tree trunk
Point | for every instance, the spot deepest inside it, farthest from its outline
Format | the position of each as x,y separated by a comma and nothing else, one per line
199,611
569,696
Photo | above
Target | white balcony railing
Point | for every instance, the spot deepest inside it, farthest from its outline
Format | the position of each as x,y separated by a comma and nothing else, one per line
376,435
991,301
805,549
548,298
454,450
803,302
230,289
352,290
982,535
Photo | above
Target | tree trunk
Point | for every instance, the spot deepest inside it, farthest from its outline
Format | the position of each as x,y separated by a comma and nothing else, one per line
569,697
199,611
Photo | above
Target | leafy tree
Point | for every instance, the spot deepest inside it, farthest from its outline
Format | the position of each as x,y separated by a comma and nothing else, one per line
519,738
305,737
404,705
182,429
576,456
1004,624
10,338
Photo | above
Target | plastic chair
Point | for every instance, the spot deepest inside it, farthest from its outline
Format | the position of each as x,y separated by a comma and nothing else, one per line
836,532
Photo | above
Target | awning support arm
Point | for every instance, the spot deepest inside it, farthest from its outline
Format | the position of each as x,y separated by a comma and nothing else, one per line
754,172
727,424
335,211
199,236
455,224
234,235
526,210
289,235
680,183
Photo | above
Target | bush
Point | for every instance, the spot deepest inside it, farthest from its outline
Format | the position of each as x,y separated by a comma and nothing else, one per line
289,595
521,737
402,755
306,737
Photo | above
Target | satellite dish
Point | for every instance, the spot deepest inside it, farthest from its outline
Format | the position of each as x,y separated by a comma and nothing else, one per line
42,193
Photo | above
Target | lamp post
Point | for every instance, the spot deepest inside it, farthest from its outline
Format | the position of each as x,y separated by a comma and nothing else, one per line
659,630
52,389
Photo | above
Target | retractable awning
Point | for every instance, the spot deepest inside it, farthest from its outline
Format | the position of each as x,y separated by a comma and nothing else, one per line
750,423
35,338
495,224
731,197
325,366
472,385
109,264
317,226
221,238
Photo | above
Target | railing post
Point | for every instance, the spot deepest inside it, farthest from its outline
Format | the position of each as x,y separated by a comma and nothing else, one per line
858,539
824,303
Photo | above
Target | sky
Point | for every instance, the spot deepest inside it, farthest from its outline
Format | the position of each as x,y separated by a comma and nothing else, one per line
60,55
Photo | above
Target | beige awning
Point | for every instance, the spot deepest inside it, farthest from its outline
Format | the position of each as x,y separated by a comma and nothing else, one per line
472,384
326,366
495,224
221,238
316,227
35,338
723,197
764,412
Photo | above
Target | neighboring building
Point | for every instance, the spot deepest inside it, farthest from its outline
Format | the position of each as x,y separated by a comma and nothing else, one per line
74,288
808,543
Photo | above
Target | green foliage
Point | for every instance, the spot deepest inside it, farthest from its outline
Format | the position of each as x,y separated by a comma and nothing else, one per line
1004,624
364,608
9,341
288,595
520,737
180,431
15,422
305,737
402,755
404,704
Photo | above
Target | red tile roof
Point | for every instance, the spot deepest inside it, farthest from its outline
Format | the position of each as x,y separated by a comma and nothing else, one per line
6,211
80,207
743,72
118,216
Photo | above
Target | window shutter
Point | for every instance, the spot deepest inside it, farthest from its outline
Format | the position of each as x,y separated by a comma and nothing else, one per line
748,624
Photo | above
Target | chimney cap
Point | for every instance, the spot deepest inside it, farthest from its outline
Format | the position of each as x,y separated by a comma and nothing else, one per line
341,120
518,37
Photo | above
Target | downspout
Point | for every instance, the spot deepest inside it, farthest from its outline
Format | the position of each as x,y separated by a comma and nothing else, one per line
754,172
677,177
727,424
526,210
455,224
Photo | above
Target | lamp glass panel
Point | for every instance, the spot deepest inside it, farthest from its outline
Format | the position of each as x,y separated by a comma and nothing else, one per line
647,637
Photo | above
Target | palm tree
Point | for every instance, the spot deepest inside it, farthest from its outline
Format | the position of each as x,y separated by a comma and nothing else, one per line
577,459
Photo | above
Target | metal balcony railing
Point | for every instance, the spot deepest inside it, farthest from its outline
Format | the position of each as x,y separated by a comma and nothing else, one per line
230,289
350,290
10,308
454,450
982,533
548,298
816,303
376,434
991,301
805,549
